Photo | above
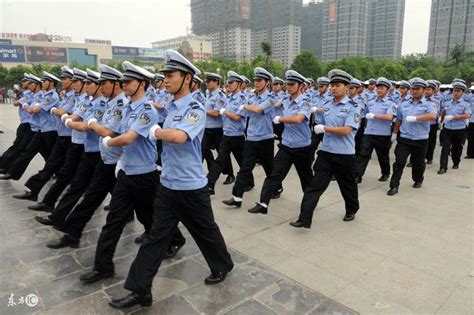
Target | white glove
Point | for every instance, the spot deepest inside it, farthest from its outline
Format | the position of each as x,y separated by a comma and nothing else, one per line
314,109
90,121
394,137
276,120
241,107
370,115
105,140
222,111
38,104
51,110
411,118
319,129
24,105
67,122
118,167
151,134
448,117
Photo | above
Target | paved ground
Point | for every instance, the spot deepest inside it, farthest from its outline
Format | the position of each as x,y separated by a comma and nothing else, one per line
411,253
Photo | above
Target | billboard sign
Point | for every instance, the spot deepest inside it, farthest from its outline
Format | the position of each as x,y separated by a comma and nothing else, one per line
124,51
12,53
46,54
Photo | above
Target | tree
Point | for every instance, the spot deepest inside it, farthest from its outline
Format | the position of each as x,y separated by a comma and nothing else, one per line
421,73
393,71
267,51
456,55
307,65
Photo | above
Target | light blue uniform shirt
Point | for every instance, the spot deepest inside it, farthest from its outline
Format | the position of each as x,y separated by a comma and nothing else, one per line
35,117
81,104
150,93
140,156
278,111
260,125
318,100
418,130
378,106
96,110
234,128
198,97
26,97
163,98
437,105
112,120
344,113
214,101
369,95
296,135
471,120
48,121
182,163
459,107
67,104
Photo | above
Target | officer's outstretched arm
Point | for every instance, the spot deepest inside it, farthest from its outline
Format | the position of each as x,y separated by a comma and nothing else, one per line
232,116
78,125
254,108
212,113
101,130
124,139
295,119
426,117
171,135
338,131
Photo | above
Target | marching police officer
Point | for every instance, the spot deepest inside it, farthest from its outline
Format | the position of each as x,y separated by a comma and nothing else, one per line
233,139
430,96
295,147
56,159
23,131
44,140
336,158
184,196
162,98
278,94
377,135
259,144
370,91
454,114
413,122
355,91
215,101
196,90
319,99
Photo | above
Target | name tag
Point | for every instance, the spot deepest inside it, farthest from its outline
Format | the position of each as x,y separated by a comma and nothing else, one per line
133,116
177,118
344,110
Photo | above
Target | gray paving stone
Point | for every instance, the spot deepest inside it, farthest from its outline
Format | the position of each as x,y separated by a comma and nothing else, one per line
249,307
332,308
20,298
173,305
96,303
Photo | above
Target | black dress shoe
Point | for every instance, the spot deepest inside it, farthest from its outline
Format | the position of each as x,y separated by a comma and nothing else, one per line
173,250
215,277
27,195
5,176
300,224
41,207
258,209
441,171
3,171
466,157
277,193
64,241
248,188
455,167
44,220
429,162
384,178
139,239
107,208
232,202
131,300
417,185
229,180
348,217
94,276
392,191
211,191
358,180
409,164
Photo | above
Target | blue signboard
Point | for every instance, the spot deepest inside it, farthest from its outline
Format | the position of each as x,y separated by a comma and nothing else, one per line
12,53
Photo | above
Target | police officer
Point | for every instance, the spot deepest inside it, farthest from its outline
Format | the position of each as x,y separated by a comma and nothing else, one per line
369,93
103,179
355,95
215,101
430,96
90,158
259,144
470,129
295,147
454,114
278,94
76,148
377,135
56,159
184,196
23,131
233,139
43,141
196,90
138,180
337,155
319,99
413,122
245,87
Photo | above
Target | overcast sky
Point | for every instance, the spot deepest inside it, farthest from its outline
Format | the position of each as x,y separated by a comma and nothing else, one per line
140,22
